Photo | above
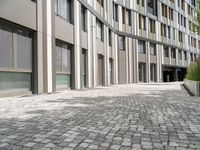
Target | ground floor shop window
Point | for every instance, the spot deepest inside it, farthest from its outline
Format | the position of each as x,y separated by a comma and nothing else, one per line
15,57
63,64
142,72
153,72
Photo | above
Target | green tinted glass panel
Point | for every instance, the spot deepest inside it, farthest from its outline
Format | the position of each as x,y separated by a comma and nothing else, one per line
63,79
14,80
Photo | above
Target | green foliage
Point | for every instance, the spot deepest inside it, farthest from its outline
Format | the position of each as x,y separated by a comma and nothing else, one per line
193,72
196,25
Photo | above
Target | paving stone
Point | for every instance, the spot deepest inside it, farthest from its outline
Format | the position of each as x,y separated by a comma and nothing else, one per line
136,116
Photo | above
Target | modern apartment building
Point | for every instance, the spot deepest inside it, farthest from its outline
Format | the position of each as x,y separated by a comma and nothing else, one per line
51,45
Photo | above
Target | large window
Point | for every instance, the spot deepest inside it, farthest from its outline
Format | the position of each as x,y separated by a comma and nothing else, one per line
63,64
6,47
141,47
15,57
99,30
64,9
121,43
24,49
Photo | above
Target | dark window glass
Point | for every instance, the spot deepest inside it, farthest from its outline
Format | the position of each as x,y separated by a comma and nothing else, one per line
6,49
121,43
83,18
141,47
24,49
166,51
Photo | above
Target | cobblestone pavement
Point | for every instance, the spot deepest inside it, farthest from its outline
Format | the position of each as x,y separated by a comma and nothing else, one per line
137,116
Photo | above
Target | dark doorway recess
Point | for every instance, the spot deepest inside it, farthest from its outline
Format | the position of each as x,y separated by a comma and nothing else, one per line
172,74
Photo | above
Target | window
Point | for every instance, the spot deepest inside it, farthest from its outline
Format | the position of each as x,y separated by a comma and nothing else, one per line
63,64
141,47
179,54
180,37
65,9
142,22
99,30
6,49
83,18
151,25
185,55
169,32
164,10
15,56
123,15
128,17
183,4
121,43
191,57
171,14
100,2
174,33
152,49
163,30
173,53
152,7
142,3
115,12
166,51
153,72
63,57
110,37
15,43
142,72
24,49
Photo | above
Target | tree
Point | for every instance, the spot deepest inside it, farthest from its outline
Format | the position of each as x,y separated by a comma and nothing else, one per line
197,17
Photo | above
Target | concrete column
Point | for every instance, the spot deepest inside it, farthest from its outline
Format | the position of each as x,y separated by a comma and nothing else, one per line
46,74
161,61
94,51
159,65
77,47
136,61
89,63
148,62
177,59
120,17
130,60
170,58
116,59
106,56
127,60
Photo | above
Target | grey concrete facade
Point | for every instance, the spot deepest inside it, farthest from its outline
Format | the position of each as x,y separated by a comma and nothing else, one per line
118,18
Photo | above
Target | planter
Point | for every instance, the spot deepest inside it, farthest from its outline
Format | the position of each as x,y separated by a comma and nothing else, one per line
193,86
